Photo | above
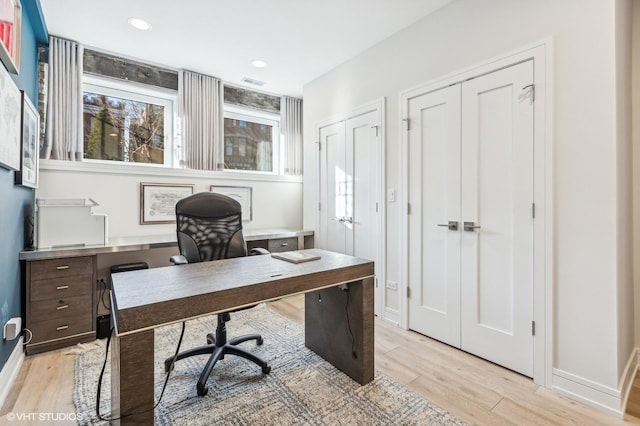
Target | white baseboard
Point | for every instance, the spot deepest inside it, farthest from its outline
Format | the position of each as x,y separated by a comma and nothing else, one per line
602,397
391,316
626,381
10,371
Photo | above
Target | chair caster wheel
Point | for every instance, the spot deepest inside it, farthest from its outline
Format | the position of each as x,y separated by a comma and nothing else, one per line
260,341
167,365
202,390
210,339
266,369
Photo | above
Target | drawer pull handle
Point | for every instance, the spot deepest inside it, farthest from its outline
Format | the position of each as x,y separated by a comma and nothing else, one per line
62,327
62,307
62,287
284,244
60,268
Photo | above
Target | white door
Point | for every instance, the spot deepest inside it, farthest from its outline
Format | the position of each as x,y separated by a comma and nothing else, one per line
350,179
497,197
483,269
434,193
333,188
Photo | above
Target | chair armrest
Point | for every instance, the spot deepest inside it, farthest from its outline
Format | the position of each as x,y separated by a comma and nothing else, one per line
258,250
178,259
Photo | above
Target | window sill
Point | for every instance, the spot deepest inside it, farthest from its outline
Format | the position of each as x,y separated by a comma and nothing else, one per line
160,171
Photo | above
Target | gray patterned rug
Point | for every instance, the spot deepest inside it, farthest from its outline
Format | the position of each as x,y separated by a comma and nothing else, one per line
302,388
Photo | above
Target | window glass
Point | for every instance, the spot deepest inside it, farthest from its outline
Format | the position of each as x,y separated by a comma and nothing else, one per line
251,141
124,126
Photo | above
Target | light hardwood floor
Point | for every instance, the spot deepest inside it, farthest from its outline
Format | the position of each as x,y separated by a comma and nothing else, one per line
474,390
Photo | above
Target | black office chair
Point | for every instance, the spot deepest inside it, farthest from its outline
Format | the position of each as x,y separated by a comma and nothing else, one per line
210,228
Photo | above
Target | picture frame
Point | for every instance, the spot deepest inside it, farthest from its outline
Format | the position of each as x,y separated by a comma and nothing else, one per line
10,119
30,137
10,30
242,194
158,201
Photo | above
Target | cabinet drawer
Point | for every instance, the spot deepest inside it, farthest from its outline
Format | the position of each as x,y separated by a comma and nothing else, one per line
61,288
50,329
61,308
283,244
60,268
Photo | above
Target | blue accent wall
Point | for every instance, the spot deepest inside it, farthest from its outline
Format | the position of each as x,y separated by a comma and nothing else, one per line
17,201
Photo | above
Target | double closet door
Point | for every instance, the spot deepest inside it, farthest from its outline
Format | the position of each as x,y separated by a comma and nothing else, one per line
471,215
349,182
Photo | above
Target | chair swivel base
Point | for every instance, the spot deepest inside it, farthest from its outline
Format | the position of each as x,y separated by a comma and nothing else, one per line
218,351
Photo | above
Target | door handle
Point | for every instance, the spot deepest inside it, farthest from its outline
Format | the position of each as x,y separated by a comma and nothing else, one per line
347,220
470,226
452,225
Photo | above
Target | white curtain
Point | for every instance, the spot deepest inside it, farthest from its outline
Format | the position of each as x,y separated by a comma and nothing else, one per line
291,129
202,121
64,139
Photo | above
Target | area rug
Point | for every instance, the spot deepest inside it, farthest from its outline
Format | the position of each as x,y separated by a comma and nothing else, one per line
302,388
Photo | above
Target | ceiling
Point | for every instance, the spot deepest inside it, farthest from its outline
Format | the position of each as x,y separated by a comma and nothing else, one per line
299,39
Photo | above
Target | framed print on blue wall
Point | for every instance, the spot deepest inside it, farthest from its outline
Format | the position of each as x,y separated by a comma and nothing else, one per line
28,173
10,117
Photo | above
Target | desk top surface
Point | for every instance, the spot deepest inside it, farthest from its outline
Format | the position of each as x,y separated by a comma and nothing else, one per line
145,242
148,298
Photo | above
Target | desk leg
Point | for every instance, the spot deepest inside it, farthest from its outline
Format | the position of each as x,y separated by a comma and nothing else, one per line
327,330
132,378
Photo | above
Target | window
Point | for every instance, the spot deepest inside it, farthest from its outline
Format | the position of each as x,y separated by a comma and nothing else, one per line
251,140
126,122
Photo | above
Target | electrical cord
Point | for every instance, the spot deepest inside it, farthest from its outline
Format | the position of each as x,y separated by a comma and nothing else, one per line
164,386
353,338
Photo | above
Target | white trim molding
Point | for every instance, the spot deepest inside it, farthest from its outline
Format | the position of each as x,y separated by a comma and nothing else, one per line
605,398
602,397
10,371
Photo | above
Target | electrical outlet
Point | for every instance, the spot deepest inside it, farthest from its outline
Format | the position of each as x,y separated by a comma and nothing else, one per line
392,285
12,328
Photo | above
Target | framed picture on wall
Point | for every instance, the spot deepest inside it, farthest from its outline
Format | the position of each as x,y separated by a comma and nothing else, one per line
28,173
158,201
10,118
241,194
10,27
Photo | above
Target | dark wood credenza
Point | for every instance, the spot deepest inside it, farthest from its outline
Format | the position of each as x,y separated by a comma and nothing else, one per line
60,284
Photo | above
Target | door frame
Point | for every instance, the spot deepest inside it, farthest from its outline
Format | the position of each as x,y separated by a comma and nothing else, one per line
541,53
378,105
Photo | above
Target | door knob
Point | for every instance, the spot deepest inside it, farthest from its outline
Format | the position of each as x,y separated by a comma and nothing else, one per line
452,225
470,226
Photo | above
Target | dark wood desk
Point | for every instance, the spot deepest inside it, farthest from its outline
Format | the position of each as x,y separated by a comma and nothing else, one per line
146,299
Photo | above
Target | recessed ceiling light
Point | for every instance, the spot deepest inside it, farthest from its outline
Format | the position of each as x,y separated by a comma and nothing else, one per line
258,63
139,23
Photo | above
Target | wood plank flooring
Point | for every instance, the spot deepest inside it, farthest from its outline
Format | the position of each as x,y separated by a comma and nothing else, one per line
474,390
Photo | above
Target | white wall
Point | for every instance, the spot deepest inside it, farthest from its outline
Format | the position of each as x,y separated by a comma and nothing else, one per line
277,202
635,101
590,195
623,26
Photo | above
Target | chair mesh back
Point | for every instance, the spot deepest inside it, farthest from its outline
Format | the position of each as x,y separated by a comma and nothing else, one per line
212,236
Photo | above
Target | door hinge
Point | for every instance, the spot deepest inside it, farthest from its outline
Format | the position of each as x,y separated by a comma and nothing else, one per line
406,120
533,328
319,146
531,86
376,282
408,208
376,207
533,210
408,292
375,127
319,207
